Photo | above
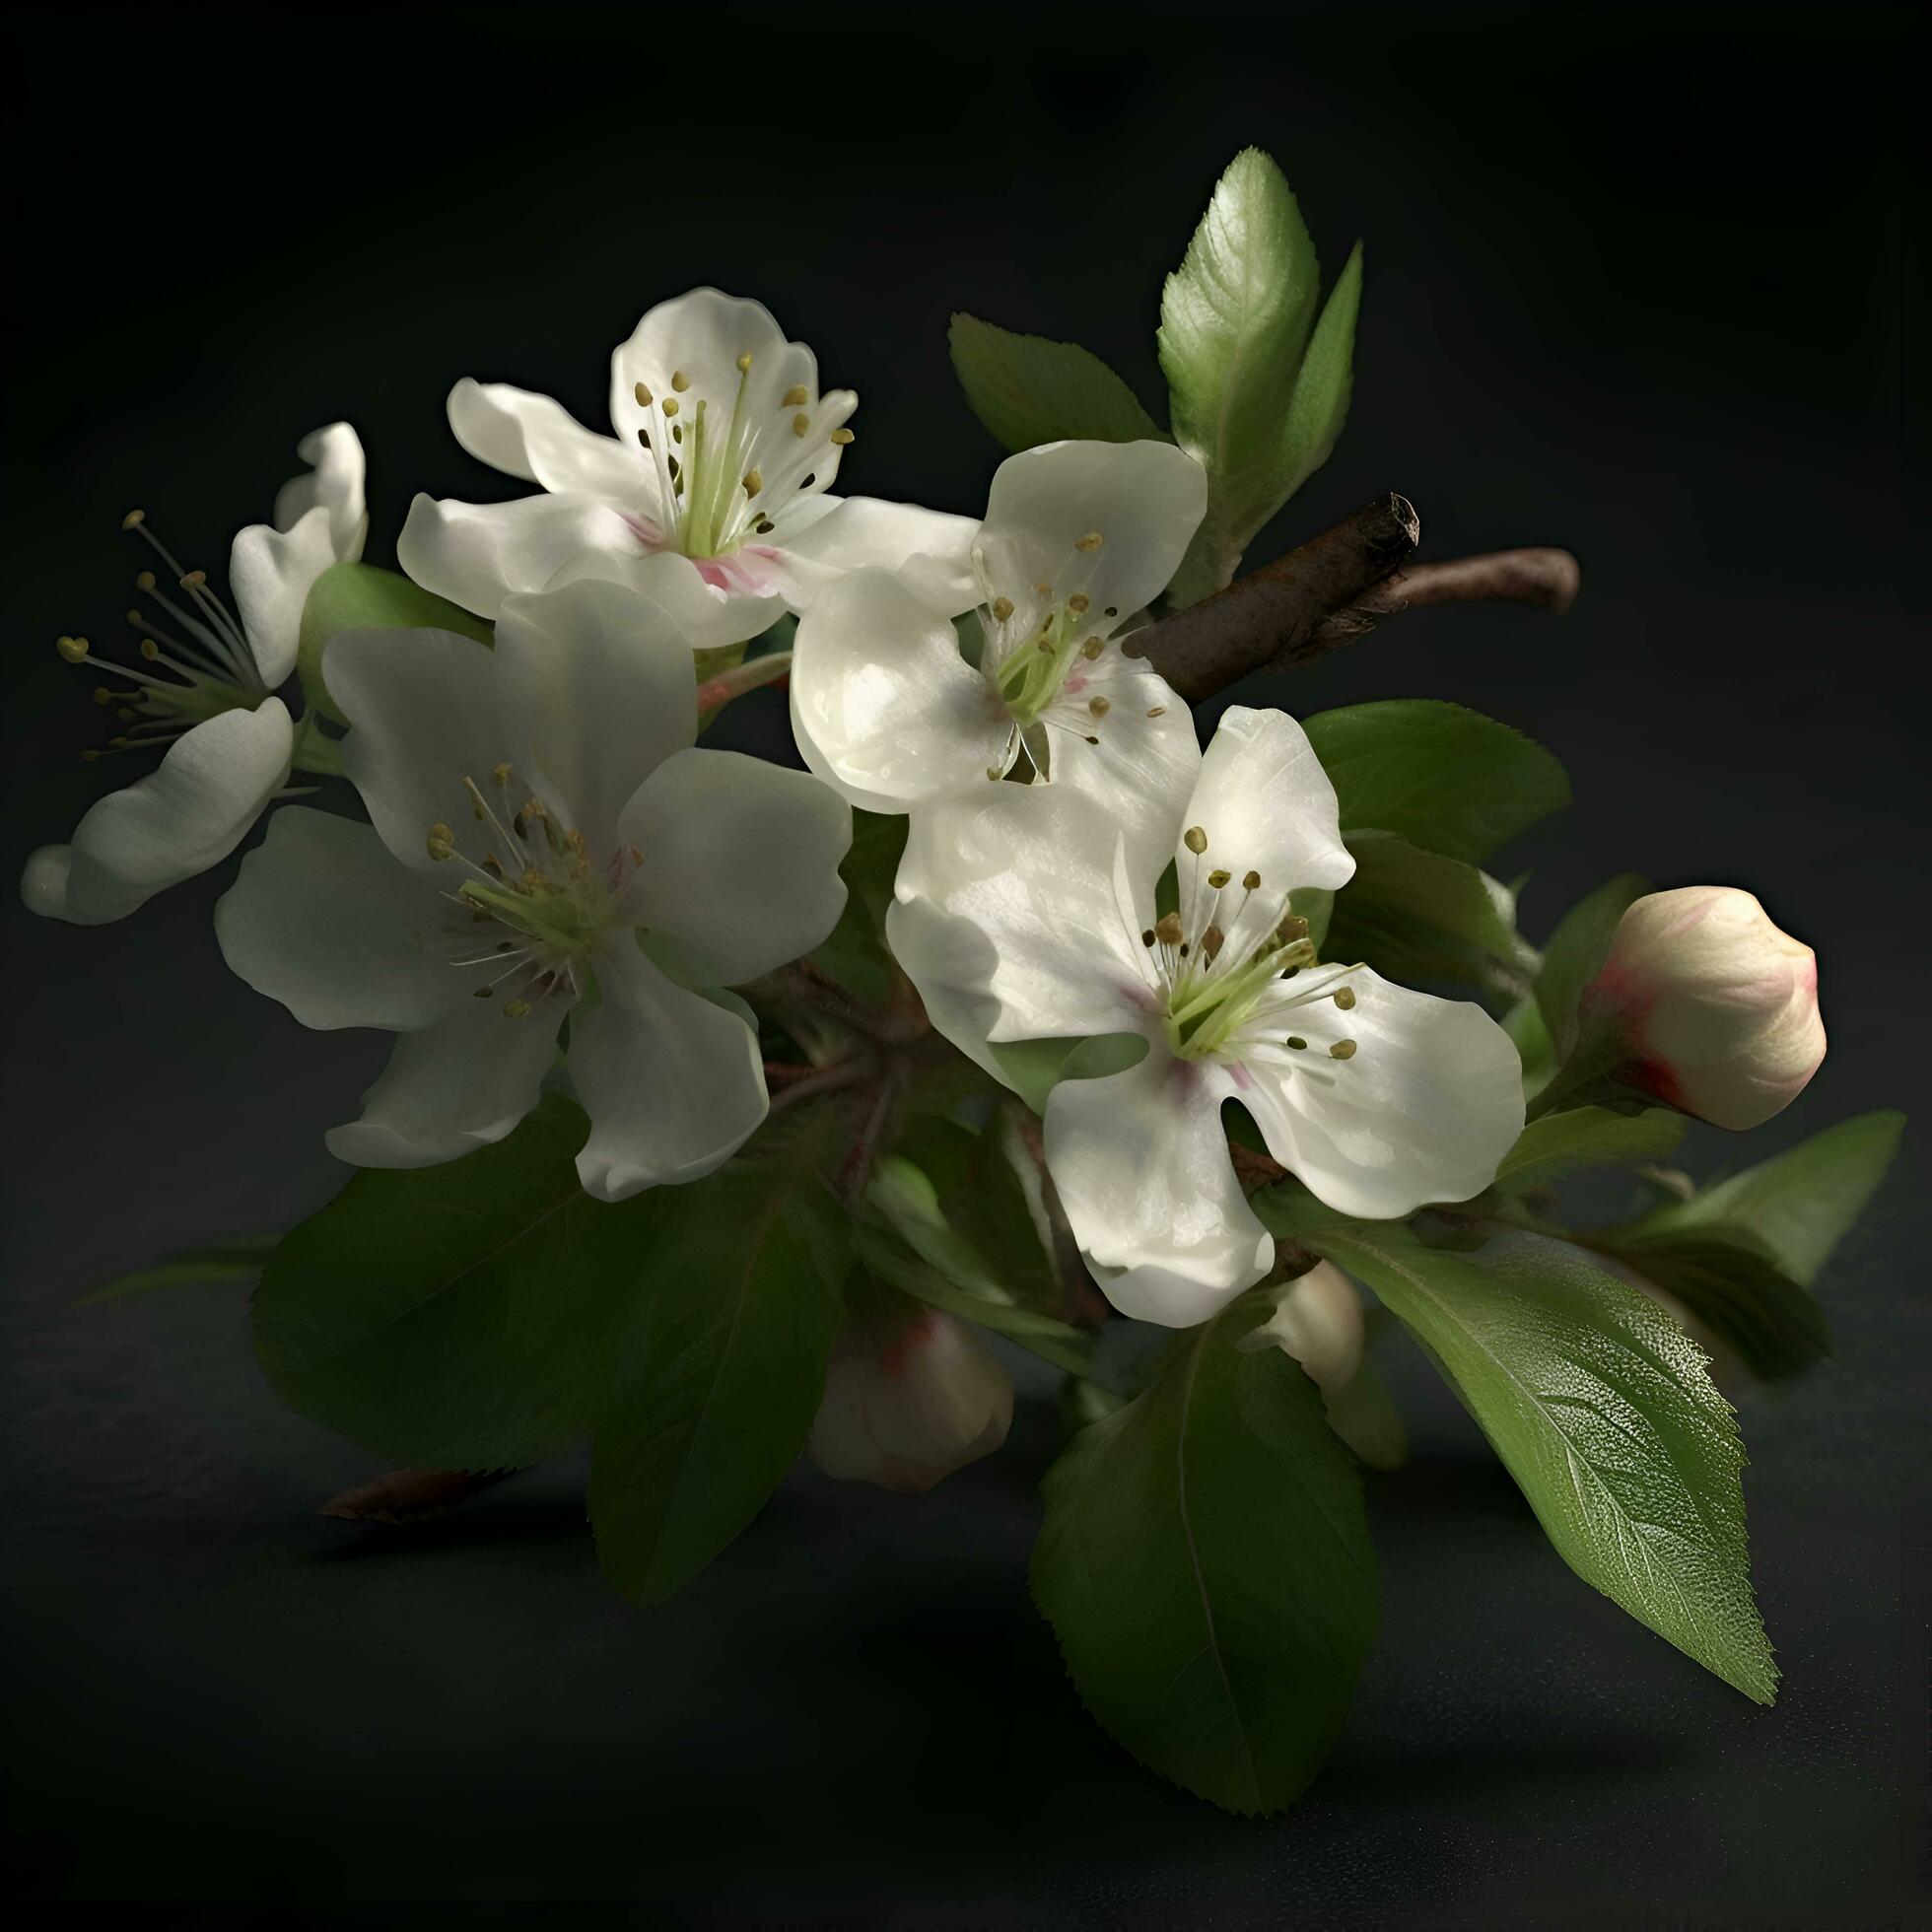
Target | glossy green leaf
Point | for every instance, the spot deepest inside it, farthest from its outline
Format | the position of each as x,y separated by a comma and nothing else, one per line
1602,1409
219,1264
723,1373
1525,1025
1417,915
1577,952
1587,1136
1325,382
1445,777
855,954
1205,1565
1028,390
364,597
1800,1204
1234,320
463,1315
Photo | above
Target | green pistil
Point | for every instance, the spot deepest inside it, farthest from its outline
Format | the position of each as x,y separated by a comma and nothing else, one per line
1031,677
1208,1012
568,917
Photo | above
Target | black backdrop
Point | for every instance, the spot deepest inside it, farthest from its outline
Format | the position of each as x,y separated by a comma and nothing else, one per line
1638,284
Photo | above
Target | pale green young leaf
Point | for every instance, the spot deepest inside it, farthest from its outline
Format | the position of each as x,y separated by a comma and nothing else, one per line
1577,950
1028,390
1320,404
725,1371
218,1264
1413,914
1583,1137
1234,320
1034,1068
1445,777
1205,1565
354,596
1603,1412
1525,1025
463,1316
1799,1204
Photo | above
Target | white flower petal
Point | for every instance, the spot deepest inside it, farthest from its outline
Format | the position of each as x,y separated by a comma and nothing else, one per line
476,554
883,705
532,437
186,815
423,715
1267,807
270,573
602,680
1035,870
1141,1166
928,551
1426,1108
712,606
674,1085
1145,501
322,919
338,468
740,860
453,1087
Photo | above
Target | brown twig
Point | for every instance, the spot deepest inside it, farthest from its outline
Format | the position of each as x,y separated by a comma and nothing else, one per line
1271,611
407,1495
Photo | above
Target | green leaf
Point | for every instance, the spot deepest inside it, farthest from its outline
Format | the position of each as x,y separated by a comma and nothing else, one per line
1417,915
1601,1408
1524,1023
1731,1284
1028,390
855,953
1290,1213
1205,1565
1320,404
1587,1136
364,597
463,1316
1444,778
1798,1205
1577,950
726,1373
1234,320
1364,1416
1034,1068
220,1264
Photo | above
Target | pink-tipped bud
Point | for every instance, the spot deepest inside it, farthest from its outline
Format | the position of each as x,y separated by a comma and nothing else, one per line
1717,1009
909,1402
1318,1322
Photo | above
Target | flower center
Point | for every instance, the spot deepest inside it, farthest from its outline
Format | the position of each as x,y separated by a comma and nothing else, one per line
199,670
1220,966
724,474
537,901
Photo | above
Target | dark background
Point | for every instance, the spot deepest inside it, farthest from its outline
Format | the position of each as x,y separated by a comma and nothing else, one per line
1638,283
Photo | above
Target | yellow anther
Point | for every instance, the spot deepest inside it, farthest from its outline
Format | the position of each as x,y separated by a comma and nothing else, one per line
118,744
1195,838
1003,609
794,397
88,755
680,380
642,394
515,1008
1099,705
754,481
144,581
195,580
135,618
150,649
1092,541
101,694
1167,928
1212,940
1218,877
1297,1043
1092,649
1343,1049
1292,930
441,843
842,437
801,423
1043,589
670,405
134,519
744,364
1157,710
995,773
500,772
481,991
73,650
1147,938
1079,603
1345,997
1251,880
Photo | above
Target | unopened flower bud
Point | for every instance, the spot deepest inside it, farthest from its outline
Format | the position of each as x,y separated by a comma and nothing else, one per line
909,1402
1717,1009
1318,1322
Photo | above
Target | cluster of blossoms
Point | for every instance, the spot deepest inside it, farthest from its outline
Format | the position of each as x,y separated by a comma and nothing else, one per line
545,842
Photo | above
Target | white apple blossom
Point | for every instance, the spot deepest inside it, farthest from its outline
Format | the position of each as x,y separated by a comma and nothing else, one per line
204,689
1042,925
1716,1008
546,840
1079,538
717,478
908,1400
